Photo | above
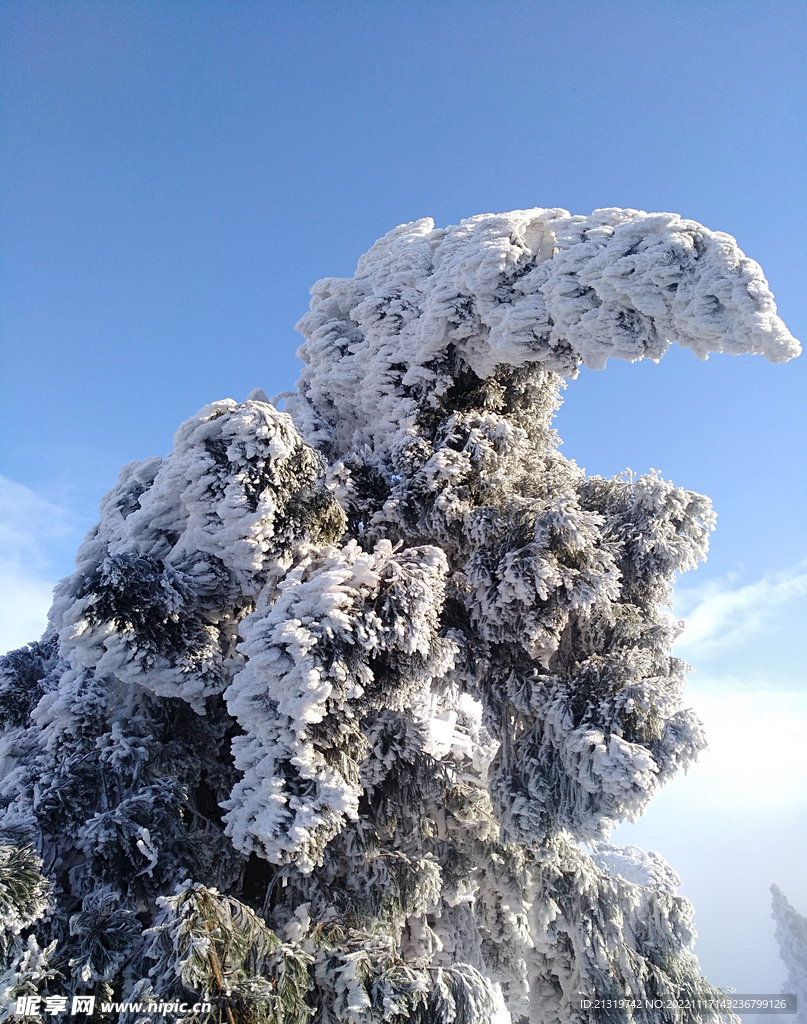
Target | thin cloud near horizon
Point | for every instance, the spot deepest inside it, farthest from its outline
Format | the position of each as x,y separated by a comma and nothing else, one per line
33,534
719,613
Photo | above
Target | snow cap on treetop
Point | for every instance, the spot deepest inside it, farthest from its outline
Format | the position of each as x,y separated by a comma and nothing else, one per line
527,287
544,286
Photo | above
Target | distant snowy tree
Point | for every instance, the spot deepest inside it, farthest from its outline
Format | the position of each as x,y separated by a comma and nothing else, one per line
334,718
791,934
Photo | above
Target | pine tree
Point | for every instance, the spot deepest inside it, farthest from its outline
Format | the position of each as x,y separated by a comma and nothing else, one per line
334,718
791,935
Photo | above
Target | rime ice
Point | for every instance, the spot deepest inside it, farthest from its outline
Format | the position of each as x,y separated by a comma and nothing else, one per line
336,714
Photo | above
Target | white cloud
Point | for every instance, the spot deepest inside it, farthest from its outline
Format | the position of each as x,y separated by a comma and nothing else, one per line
745,643
30,529
738,820
24,604
735,824
757,756
720,615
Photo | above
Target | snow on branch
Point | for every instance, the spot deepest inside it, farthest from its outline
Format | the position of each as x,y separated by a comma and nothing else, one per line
530,286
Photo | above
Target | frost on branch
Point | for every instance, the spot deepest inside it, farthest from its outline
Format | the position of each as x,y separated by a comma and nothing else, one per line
185,545
25,898
791,935
520,288
334,718
350,633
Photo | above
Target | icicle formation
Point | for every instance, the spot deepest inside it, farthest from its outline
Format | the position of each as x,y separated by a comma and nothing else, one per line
336,695
791,935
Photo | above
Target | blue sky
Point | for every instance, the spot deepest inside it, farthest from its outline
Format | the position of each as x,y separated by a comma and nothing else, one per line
175,176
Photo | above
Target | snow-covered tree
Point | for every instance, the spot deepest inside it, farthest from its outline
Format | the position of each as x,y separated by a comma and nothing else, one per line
334,718
791,935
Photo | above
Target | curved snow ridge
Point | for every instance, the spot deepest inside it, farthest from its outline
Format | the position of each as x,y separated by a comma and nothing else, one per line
645,868
541,286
